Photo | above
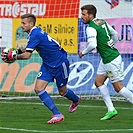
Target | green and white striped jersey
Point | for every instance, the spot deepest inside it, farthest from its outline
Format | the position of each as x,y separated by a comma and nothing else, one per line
105,39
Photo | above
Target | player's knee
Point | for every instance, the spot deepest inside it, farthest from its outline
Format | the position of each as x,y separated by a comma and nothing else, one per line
37,89
62,91
118,86
98,83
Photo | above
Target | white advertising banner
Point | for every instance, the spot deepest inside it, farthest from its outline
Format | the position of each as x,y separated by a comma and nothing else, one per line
5,32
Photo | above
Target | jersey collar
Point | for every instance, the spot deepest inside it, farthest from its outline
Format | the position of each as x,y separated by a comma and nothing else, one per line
32,29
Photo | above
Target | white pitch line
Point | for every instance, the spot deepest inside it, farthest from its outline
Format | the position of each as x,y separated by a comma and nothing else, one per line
85,106
67,131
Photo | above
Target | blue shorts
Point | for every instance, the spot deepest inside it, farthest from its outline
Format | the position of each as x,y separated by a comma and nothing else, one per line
60,73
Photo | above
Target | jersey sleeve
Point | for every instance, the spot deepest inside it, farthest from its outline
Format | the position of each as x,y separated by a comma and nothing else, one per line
91,40
114,34
33,41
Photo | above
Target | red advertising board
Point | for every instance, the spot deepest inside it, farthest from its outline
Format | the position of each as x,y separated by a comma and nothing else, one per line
40,8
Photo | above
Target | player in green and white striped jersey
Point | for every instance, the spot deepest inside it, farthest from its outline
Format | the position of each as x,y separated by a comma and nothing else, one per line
102,36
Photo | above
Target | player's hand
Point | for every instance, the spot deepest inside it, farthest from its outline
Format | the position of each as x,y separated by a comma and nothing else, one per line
9,55
80,54
4,56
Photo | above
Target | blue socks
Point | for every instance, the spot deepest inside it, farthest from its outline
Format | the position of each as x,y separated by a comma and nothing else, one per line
48,102
71,96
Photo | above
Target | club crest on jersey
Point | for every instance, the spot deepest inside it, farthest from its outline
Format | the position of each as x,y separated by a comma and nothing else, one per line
110,74
99,21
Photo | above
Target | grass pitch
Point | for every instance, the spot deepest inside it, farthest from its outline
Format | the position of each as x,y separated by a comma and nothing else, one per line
31,116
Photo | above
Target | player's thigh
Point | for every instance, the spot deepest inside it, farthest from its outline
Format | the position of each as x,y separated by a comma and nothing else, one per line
62,74
114,70
45,74
101,69
40,85
101,75
43,78
100,79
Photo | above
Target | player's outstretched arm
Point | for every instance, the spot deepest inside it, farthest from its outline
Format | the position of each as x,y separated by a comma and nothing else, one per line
24,56
9,55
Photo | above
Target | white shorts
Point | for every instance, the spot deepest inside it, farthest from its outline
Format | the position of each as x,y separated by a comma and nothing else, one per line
112,70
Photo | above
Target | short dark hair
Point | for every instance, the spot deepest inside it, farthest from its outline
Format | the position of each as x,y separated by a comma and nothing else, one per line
31,17
90,8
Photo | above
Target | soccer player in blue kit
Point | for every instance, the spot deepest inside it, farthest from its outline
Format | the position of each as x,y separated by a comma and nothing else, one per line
55,65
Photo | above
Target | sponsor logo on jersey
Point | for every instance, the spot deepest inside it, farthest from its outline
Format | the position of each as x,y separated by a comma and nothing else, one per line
91,37
39,74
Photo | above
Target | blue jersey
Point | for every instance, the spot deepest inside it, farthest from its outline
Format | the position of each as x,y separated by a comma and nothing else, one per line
48,48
